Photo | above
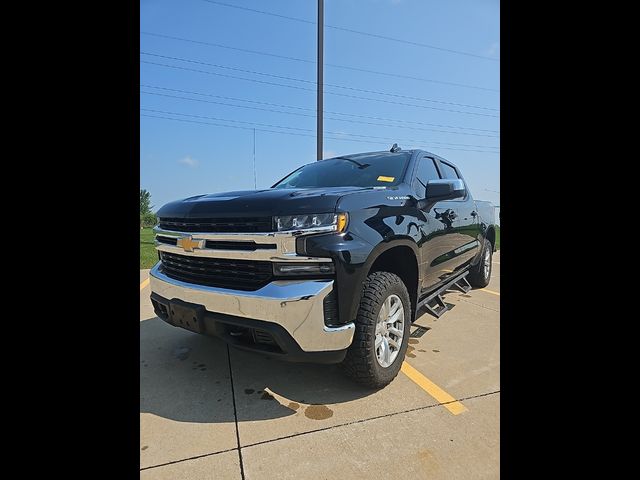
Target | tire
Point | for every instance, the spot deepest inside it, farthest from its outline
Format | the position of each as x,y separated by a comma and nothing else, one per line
480,275
381,289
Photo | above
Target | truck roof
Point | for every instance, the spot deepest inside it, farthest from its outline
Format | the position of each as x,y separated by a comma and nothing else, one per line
361,156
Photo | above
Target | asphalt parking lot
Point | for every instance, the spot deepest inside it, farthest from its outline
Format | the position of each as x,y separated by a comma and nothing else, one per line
209,411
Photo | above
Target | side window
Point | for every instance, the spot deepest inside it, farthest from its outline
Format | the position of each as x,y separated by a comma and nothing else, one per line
426,171
448,170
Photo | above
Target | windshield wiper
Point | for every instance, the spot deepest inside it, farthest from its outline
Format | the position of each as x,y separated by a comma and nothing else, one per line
360,165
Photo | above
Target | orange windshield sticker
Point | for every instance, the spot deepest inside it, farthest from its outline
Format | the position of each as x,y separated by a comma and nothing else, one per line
382,178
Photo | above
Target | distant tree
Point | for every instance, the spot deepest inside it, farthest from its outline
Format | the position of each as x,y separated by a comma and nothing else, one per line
145,202
147,217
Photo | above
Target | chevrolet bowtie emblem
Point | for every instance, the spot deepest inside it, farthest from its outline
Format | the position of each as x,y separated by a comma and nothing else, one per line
188,243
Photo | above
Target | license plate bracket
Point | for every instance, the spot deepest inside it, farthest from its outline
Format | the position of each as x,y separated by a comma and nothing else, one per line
186,315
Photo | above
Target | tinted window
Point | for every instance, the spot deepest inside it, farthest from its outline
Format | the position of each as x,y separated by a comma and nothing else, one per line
355,171
426,171
448,171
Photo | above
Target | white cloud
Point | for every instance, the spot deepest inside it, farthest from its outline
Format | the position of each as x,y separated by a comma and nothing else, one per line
189,162
494,49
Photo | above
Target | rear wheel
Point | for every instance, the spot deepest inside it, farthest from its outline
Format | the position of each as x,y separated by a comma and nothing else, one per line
382,331
480,275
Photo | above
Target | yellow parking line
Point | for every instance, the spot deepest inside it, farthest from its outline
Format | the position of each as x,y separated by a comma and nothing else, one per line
144,284
490,291
432,389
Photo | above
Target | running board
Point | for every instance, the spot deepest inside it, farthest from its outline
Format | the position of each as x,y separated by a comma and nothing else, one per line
435,304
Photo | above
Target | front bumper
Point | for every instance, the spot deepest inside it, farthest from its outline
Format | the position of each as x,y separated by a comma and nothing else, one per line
290,310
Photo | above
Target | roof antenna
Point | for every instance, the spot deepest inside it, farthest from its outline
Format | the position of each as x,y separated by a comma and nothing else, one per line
395,148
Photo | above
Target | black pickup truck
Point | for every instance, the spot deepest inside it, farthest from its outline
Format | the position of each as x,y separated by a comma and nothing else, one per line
329,265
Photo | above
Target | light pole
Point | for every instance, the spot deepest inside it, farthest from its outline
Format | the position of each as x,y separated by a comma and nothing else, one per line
320,81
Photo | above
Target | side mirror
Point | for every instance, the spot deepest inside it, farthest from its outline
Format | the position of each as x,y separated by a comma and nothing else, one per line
438,190
447,189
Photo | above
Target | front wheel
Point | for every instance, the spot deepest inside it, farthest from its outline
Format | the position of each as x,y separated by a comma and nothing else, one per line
382,331
480,275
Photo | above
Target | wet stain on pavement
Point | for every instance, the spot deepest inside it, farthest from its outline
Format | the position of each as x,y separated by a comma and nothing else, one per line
318,412
266,396
413,341
182,353
421,350
144,447
410,349
436,351
293,405
249,391
465,296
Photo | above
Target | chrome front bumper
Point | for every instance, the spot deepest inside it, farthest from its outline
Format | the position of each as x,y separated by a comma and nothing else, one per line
296,305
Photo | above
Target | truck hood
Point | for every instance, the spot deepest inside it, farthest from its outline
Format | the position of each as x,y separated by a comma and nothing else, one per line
257,203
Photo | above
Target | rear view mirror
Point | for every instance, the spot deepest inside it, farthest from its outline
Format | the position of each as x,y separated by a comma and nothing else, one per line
446,189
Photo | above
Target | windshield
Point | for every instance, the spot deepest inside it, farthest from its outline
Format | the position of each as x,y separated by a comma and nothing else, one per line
369,170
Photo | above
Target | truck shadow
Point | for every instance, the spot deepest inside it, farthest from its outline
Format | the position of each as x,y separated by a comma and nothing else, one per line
186,377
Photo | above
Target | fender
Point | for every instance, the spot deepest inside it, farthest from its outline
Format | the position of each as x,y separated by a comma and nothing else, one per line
353,258
484,234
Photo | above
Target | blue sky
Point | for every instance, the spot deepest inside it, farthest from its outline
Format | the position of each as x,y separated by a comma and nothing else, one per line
180,158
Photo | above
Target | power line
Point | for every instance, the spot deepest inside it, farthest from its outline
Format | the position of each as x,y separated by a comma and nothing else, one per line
325,111
297,134
309,130
312,116
350,30
285,57
284,77
313,90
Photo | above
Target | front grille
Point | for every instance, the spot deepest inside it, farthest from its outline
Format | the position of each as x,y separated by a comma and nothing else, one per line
218,225
223,244
167,240
245,275
248,246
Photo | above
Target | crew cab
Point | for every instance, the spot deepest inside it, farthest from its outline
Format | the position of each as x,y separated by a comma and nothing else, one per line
329,265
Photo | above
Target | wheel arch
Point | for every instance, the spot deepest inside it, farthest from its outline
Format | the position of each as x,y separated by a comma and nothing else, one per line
491,236
400,258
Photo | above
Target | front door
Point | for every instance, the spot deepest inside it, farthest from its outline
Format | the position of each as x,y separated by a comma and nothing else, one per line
438,236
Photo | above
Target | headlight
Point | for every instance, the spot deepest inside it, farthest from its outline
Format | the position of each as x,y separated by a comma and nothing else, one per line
300,269
316,220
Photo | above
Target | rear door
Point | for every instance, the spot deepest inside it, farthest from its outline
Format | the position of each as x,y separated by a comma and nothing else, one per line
463,221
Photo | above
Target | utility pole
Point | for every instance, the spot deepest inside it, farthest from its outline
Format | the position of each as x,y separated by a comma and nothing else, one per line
255,182
320,81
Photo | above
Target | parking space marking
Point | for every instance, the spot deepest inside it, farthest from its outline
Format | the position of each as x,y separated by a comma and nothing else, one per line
496,263
144,284
450,403
489,291
478,305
